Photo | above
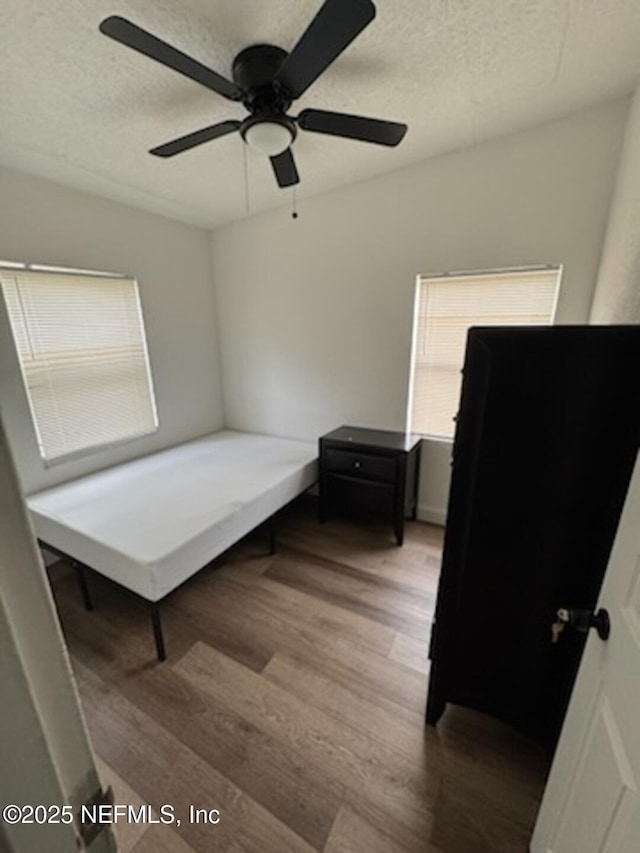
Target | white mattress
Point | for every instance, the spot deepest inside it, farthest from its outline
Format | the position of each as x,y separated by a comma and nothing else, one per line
151,523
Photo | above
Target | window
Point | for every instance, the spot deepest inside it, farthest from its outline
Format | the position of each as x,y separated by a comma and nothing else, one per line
446,308
81,344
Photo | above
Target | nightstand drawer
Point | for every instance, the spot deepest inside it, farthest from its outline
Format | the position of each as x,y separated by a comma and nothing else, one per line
360,465
361,498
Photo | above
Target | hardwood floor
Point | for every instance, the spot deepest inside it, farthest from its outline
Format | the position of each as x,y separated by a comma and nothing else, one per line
292,701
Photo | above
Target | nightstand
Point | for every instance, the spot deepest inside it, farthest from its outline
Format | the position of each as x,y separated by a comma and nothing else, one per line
371,473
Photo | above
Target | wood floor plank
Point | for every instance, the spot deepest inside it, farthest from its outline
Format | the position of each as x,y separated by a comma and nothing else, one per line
252,621
371,549
480,751
412,568
163,770
310,611
399,689
487,743
162,839
244,620
353,834
407,734
487,801
410,651
379,779
462,829
352,589
406,599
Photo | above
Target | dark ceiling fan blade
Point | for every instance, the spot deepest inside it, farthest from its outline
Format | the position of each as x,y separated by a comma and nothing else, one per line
133,36
353,127
184,143
285,170
335,26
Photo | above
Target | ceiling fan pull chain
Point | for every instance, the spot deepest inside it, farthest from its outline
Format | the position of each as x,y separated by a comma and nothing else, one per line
294,203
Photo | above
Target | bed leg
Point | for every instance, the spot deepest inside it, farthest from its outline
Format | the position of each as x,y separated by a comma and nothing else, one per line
272,537
84,587
157,630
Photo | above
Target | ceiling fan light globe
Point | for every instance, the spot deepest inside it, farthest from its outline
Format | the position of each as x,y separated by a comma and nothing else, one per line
268,137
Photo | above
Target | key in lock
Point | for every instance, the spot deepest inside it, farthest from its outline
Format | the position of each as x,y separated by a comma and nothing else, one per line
561,621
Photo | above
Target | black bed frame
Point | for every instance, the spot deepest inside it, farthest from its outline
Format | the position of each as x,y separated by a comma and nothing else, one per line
154,606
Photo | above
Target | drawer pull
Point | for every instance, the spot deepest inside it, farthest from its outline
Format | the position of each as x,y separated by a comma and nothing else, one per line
380,468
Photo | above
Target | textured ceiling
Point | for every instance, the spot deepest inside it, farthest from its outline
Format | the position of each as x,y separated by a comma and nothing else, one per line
83,110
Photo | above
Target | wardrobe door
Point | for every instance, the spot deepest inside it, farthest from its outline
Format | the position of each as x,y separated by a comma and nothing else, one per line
546,437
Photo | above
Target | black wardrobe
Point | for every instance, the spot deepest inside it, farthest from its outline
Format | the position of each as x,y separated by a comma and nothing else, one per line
546,438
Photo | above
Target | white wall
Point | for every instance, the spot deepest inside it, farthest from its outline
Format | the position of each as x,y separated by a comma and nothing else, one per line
315,313
42,222
617,295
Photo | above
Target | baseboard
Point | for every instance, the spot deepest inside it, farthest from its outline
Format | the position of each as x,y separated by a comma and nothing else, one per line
432,514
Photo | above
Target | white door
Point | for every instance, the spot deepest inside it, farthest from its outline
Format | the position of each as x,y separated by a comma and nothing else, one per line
45,754
592,800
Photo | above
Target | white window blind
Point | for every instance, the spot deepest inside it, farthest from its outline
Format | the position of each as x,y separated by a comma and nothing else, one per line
446,308
81,344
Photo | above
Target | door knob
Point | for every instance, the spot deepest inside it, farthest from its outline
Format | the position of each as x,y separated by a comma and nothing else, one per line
582,621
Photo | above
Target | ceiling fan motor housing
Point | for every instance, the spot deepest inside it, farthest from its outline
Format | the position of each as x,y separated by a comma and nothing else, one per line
254,70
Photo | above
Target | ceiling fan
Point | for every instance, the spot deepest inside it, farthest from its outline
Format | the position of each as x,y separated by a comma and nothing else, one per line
266,79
